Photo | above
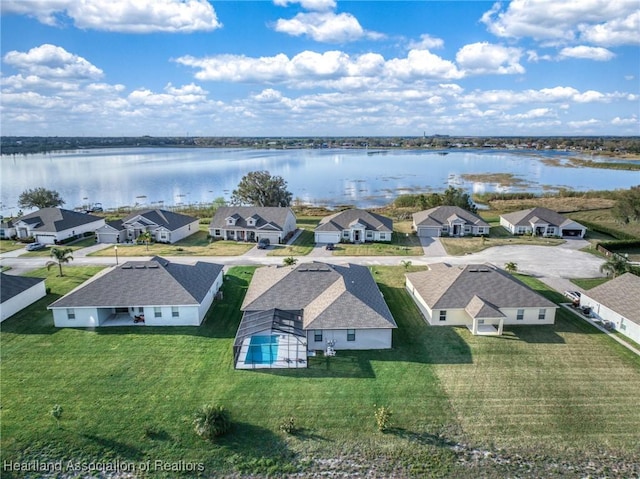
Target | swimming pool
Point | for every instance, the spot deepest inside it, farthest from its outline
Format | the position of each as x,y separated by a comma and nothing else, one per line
262,350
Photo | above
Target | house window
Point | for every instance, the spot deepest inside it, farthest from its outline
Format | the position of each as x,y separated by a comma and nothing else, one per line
370,235
443,315
345,234
623,325
71,314
216,232
317,336
175,312
542,313
157,312
140,309
383,236
520,315
351,334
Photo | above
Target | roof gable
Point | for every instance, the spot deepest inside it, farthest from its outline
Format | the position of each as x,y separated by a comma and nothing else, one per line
443,214
160,218
57,219
351,218
621,294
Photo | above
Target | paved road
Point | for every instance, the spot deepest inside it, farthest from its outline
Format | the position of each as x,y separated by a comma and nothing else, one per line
546,262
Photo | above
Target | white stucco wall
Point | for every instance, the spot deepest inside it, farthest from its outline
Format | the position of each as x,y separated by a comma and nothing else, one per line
622,324
85,317
188,315
365,339
177,235
22,300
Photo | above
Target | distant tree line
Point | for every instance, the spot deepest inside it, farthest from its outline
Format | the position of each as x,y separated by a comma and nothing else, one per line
450,197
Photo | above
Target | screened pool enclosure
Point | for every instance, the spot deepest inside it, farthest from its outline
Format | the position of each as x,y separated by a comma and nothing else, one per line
270,339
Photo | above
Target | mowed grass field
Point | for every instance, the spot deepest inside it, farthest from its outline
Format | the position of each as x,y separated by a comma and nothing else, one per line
539,399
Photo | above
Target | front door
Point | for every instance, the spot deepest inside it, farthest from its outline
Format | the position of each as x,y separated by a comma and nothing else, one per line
456,230
356,236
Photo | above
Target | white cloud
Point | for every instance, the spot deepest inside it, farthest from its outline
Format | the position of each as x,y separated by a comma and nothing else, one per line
320,68
603,22
486,58
326,27
317,5
426,42
587,53
50,61
131,16
619,31
625,121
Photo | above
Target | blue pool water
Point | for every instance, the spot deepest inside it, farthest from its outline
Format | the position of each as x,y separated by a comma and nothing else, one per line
262,350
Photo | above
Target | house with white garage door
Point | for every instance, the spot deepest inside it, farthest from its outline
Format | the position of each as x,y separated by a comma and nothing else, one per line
618,302
479,296
354,226
55,225
164,226
448,221
541,222
253,223
137,293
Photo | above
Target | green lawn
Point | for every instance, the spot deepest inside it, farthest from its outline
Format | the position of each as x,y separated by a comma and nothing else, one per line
466,245
76,245
535,397
588,283
303,245
402,244
7,245
198,244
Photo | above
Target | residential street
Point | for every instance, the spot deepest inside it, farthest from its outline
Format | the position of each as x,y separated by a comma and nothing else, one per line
553,265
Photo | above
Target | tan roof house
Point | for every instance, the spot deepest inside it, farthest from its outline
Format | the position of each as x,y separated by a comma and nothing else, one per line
479,296
252,223
354,226
541,222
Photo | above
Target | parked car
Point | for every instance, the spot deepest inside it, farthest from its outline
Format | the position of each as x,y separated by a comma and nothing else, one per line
263,243
34,246
330,247
574,296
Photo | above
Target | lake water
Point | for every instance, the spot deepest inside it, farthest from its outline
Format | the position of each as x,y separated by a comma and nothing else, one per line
165,177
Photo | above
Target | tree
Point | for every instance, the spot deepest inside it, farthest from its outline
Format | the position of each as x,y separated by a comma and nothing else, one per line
39,198
615,266
146,238
289,261
511,267
211,421
627,207
61,256
458,197
259,188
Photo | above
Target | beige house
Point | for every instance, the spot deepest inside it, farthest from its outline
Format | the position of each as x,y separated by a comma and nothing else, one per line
448,221
479,296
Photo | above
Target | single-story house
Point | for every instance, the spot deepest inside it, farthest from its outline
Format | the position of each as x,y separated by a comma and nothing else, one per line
479,296
18,292
541,222
154,293
54,225
7,229
448,221
289,311
617,301
164,226
354,226
253,223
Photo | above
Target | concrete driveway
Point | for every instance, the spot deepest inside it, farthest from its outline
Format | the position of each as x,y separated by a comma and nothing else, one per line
432,247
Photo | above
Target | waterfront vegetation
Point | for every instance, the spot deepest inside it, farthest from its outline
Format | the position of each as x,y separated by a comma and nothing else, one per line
533,402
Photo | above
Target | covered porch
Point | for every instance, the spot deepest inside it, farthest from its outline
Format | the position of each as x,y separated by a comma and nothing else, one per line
121,319
486,318
240,235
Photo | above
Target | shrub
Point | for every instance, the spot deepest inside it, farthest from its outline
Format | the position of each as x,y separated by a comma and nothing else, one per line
288,426
211,421
383,418
56,412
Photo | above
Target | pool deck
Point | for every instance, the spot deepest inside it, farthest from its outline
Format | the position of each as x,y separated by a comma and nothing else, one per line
291,354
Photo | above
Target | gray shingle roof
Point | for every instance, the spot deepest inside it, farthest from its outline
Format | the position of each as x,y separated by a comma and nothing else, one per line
441,214
145,283
345,219
276,216
167,219
331,296
11,285
454,287
525,217
621,294
57,219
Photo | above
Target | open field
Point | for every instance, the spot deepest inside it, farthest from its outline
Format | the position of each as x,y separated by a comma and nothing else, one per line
560,204
554,401
604,218
588,283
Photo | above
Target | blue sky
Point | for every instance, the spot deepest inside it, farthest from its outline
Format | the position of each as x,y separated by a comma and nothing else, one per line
320,67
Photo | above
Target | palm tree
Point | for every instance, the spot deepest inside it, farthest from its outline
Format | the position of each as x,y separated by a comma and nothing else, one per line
145,238
511,267
615,266
61,256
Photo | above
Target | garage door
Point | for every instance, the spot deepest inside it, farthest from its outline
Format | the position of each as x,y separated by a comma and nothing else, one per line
274,238
324,237
428,231
574,233
46,239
